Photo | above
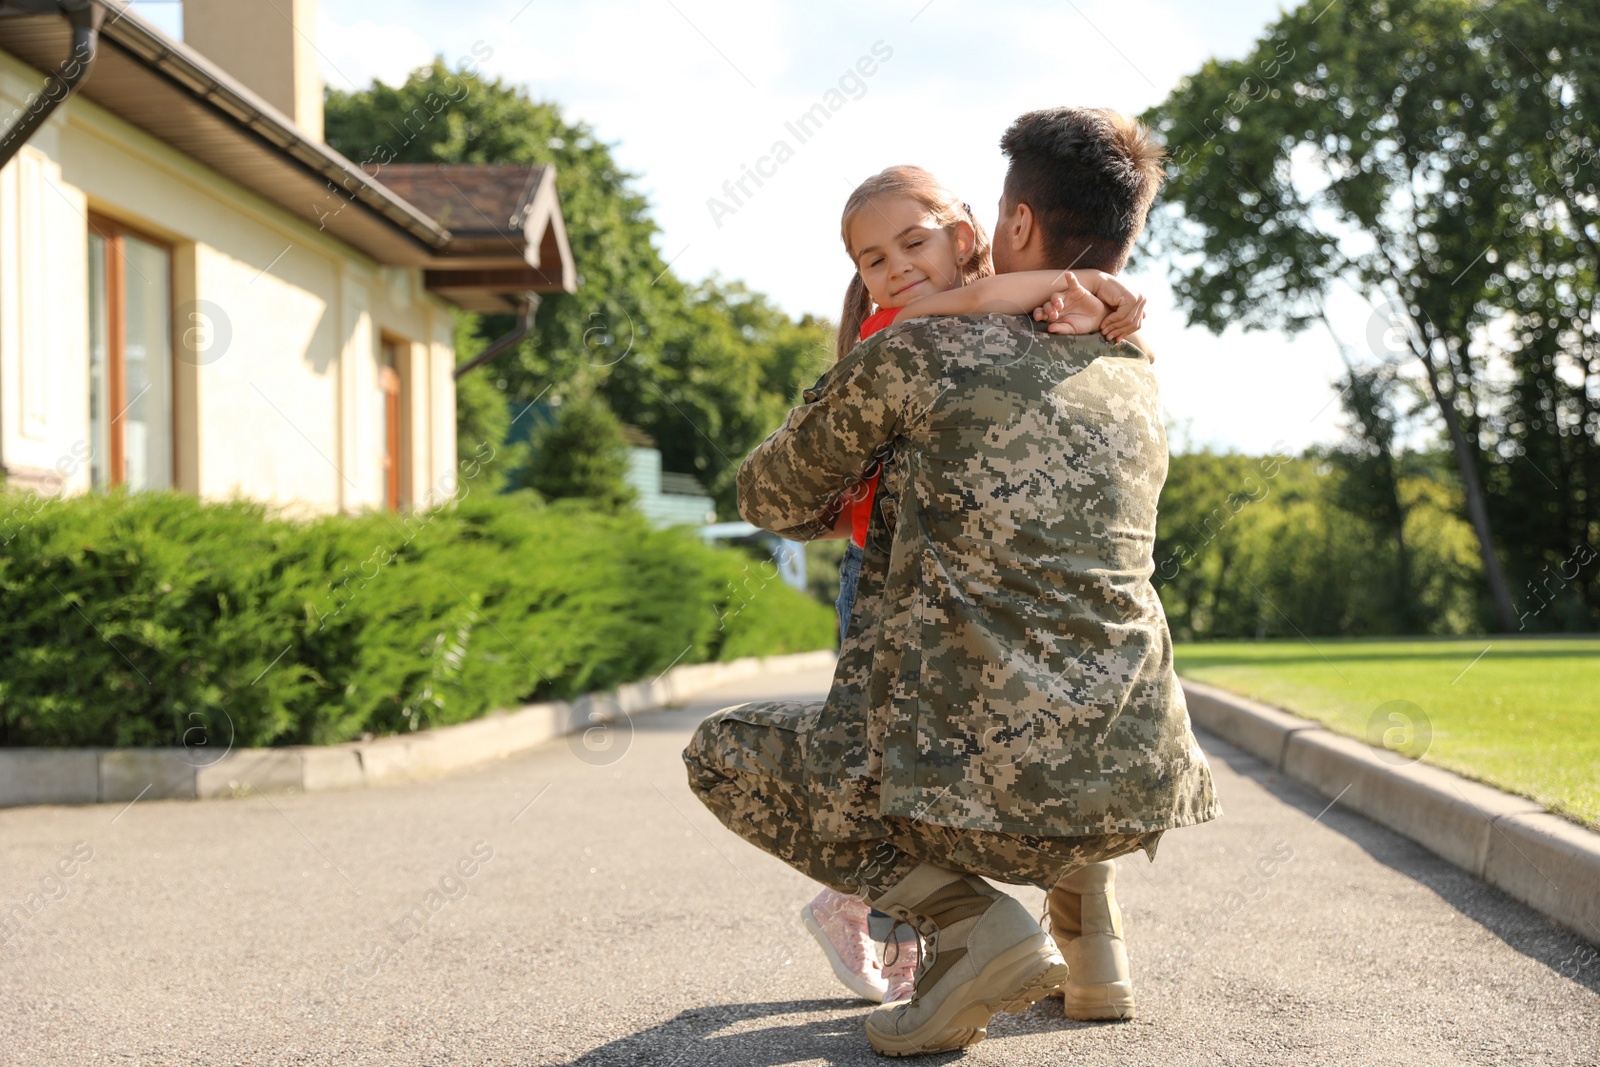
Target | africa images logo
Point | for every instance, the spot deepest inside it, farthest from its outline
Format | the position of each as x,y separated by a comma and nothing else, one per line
803,128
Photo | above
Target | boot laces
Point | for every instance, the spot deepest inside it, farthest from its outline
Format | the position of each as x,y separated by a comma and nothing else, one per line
929,943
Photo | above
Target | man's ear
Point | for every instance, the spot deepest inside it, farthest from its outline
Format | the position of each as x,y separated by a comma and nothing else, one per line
1024,227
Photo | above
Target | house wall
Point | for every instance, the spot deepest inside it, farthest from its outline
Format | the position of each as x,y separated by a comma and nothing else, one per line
286,409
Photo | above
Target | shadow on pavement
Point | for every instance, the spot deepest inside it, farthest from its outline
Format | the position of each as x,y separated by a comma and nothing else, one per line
1513,922
695,1039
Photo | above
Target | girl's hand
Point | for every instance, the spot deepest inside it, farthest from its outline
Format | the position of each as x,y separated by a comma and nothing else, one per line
1072,309
838,519
1127,309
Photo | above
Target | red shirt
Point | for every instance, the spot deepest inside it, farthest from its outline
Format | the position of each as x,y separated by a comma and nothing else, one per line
860,508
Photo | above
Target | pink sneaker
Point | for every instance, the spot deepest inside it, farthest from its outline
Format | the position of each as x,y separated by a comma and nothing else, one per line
900,962
839,923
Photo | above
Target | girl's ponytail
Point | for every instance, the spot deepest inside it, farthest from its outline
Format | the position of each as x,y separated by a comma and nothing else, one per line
857,306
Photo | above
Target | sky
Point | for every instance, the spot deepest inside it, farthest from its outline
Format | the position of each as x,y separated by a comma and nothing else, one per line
691,92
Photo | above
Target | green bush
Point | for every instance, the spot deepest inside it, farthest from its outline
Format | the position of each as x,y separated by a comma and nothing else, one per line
155,619
1259,546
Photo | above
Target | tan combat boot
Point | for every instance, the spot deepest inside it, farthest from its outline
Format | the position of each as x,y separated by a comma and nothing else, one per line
1087,926
984,953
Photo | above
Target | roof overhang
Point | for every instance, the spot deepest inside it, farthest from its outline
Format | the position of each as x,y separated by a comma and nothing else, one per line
506,231
178,96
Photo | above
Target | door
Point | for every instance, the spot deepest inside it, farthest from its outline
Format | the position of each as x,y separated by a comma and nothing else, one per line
396,439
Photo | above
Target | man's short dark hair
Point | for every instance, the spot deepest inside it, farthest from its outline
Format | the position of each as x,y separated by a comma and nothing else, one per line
1089,175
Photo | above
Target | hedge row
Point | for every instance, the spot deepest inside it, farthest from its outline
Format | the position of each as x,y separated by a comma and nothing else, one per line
155,619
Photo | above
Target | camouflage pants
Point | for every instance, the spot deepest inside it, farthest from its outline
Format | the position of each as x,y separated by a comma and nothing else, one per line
747,765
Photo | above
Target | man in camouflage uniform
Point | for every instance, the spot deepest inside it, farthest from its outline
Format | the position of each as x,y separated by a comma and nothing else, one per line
1004,704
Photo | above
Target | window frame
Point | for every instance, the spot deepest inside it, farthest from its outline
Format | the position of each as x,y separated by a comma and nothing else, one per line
113,231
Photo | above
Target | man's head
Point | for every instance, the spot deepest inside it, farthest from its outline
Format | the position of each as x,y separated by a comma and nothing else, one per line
1077,191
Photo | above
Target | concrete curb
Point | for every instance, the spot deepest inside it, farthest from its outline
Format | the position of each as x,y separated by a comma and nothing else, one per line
1543,860
90,775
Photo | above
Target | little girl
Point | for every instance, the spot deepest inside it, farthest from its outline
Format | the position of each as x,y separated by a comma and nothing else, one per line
919,251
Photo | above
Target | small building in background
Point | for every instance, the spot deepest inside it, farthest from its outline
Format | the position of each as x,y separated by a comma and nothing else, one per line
666,498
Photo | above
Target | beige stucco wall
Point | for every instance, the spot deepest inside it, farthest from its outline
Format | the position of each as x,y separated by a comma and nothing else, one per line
290,411
41,424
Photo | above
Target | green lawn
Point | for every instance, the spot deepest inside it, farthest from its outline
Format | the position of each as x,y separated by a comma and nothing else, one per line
1524,717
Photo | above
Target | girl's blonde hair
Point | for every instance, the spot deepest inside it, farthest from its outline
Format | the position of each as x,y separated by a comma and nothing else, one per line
946,208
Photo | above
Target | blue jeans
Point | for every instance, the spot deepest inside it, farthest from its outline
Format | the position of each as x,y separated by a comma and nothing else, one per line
849,578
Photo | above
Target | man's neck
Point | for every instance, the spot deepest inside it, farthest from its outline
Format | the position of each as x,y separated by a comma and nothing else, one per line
1034,257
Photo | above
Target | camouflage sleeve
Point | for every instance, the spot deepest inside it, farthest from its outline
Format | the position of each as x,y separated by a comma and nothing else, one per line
835,439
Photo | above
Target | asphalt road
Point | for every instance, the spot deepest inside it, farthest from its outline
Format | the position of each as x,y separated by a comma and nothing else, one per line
591,913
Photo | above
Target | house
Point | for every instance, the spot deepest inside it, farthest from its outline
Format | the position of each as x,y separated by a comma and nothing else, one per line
197,293
666,498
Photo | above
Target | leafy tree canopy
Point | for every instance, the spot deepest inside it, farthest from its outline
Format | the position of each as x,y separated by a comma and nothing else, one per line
706,369
1437,157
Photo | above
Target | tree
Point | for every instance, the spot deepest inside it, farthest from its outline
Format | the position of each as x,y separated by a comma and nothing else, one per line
731,365
1547,498
1268,546
482,417
1370,486
440,116
581,453
1360,144
707,370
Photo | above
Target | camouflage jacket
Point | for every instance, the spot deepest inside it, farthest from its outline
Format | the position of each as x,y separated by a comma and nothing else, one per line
1008,665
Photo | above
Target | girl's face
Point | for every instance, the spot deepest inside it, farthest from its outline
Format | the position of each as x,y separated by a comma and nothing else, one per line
902,252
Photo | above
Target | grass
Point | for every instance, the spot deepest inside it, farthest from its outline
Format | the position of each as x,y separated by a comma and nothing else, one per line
1522,714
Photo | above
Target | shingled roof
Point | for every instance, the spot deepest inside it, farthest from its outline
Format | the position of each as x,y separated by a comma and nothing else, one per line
503,217
465,197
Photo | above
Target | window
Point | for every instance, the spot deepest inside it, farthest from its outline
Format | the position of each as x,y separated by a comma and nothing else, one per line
392,377
130,358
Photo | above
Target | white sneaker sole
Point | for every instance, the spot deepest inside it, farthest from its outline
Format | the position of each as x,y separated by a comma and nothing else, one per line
858,984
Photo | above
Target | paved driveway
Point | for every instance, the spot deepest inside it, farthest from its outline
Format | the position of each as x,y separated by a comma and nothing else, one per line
556,908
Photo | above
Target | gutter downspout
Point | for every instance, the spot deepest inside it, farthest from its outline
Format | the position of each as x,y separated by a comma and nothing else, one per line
530,304
86,17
